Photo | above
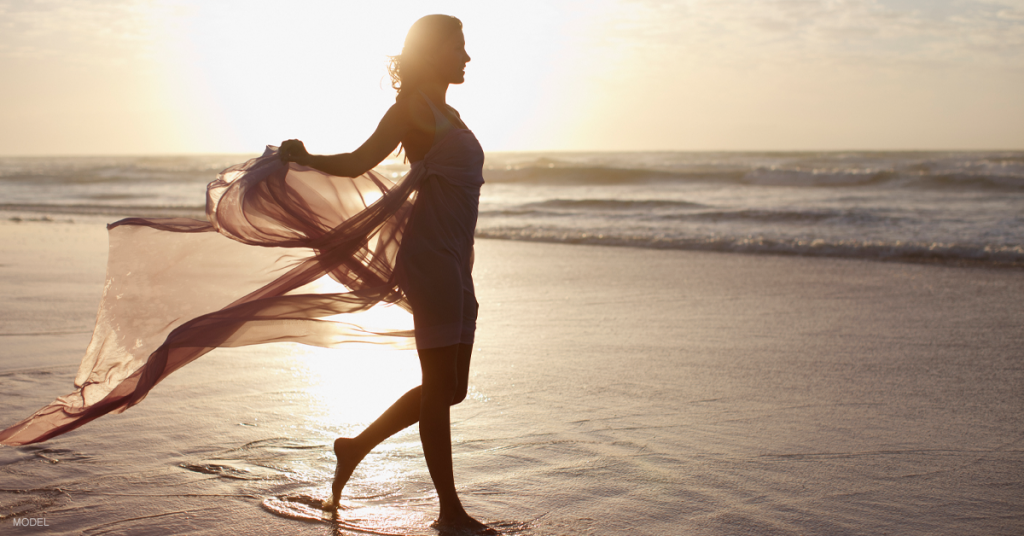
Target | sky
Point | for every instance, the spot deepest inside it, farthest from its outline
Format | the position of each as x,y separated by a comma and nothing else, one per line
113,77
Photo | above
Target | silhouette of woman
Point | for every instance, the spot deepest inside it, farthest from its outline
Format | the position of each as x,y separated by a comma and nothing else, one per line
434,261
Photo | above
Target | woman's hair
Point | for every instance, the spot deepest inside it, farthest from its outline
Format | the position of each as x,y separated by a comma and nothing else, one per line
423,39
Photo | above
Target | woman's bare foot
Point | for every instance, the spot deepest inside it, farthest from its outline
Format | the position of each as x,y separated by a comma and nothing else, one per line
461,525
349,455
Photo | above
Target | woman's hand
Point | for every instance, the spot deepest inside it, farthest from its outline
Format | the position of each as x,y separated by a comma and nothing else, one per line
294,151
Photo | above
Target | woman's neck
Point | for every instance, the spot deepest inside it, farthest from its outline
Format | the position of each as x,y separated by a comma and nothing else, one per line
436,92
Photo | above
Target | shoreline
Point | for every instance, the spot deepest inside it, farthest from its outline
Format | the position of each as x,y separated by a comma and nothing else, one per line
103,216
951,263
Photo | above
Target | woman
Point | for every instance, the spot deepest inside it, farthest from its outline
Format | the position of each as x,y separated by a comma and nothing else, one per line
435,258
177,288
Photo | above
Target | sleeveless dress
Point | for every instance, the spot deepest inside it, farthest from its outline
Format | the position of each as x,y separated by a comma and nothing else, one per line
435,262
289,254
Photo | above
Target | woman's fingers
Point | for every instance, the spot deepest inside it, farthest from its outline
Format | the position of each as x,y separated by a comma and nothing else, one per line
292,151
287,148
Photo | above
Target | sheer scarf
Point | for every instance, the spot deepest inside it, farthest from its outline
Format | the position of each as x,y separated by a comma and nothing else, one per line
178,288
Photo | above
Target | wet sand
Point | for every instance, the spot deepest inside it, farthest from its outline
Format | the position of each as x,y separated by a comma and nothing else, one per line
614,391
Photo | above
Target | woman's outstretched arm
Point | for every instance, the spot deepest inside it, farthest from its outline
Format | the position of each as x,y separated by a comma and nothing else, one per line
393,128
381,143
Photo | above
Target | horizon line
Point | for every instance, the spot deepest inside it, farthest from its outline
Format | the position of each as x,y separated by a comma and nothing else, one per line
563,151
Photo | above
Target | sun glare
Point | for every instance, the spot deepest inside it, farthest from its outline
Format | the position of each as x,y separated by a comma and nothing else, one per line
351,386
356,381
241,75
254,73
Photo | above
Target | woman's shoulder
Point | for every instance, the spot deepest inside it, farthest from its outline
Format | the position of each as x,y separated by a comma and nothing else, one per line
414,109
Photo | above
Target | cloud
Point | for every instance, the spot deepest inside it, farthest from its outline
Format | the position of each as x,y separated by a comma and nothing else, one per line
93,33
937,31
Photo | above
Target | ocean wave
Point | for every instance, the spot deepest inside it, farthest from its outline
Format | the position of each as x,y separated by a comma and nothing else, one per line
891,178
996,171
197,212
1005,256
759,177
580,175
115,169
922,206
847,217
598,206
613,204
983,171
683,211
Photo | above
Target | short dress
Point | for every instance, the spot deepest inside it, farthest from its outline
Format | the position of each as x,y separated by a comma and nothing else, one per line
435,261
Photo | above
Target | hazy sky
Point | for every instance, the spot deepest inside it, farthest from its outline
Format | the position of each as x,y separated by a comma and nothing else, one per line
183,76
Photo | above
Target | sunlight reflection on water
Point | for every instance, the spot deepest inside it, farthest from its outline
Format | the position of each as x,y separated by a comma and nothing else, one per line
352,385
338,392
356,382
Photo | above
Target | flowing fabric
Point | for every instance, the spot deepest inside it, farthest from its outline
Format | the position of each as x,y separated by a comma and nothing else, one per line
178,288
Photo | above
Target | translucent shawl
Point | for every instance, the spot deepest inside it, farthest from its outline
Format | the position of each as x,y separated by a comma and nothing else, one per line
173,285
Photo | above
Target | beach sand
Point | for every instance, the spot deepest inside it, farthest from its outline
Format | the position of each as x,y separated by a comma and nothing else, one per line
614,391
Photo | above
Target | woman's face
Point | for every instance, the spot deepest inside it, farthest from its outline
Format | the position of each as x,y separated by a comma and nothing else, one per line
451,59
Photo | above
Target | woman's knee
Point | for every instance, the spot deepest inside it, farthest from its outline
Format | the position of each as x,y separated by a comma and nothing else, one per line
462,377
441,394
440,373
447,390
460,395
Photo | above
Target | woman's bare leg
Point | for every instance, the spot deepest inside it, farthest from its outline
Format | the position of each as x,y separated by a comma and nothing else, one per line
350,451
403,413
440,390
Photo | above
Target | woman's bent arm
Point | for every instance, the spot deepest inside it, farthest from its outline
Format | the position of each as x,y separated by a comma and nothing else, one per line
392,128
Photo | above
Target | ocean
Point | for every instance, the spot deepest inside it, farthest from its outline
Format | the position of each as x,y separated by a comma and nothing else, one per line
947,207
